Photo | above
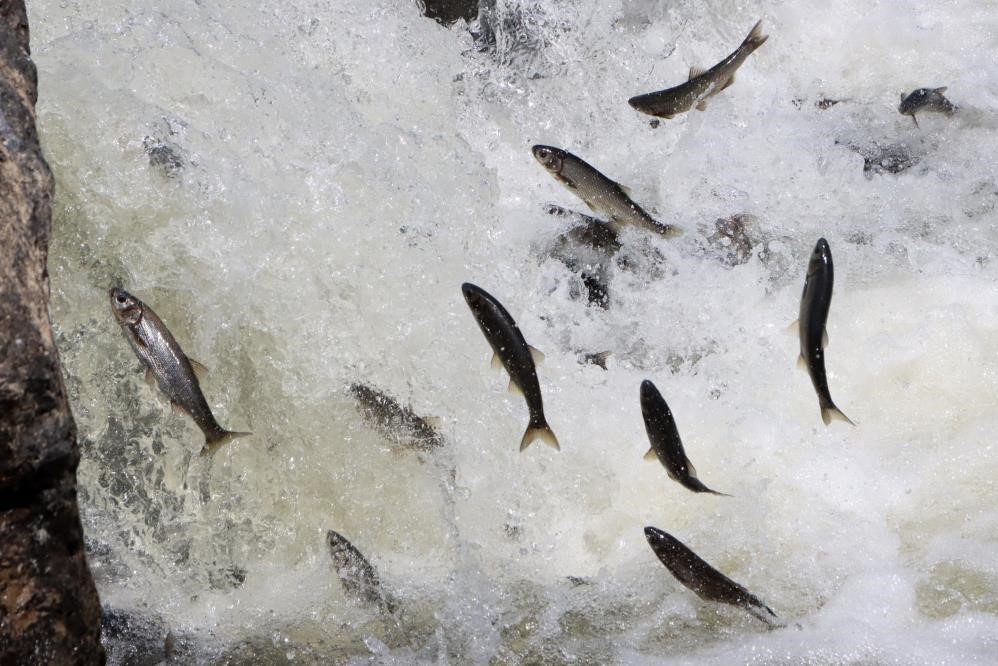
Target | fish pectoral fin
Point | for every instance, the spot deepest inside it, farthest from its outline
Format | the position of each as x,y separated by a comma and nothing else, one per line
824,338
727,84
690,469
702,105
536,354
915,119
794,327
651,455
695,71
514,388
625,189
434,422
496,361
176,408
200,369
150,377
801,363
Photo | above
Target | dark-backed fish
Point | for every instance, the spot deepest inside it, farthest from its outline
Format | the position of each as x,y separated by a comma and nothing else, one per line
926,100
666,446
512,352
603,196
701,84
173,371
814,304
394,421
704,580
357,575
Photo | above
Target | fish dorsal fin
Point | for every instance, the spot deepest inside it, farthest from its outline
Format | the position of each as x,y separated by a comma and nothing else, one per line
801,363
200,370
794,328
902,97
824,338
625,189
150,377
940,90
695,71
514,388
728,83
536,354
651,455
496,361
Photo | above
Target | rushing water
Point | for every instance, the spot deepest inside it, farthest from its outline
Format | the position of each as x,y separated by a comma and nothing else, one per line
300,188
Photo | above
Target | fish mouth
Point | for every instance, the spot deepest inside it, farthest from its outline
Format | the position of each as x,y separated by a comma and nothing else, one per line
548,156
470,292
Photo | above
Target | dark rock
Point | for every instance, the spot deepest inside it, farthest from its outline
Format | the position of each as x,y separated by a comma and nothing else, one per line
446,12
49,611
165,156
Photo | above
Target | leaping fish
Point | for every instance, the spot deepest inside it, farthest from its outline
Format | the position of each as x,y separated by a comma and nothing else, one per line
704,580
701,84
603,196
167,365
512,352
666,446
814,304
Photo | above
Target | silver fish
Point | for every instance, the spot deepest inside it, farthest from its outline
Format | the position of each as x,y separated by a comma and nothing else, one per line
701,84
394,421
925,100
814,304
666,446
602,195
512,352
704,580
357,575
167,365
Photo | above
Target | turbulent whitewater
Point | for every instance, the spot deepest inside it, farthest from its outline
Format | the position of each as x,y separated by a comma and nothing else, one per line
299,191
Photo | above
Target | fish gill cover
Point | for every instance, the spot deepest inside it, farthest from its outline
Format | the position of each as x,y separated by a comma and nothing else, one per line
299,189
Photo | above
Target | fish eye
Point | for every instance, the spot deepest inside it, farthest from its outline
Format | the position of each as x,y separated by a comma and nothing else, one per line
120,299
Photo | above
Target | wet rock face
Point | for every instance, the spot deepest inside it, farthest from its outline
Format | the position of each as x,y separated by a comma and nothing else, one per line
49,612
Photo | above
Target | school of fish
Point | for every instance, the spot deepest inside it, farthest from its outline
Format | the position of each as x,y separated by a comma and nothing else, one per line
613,209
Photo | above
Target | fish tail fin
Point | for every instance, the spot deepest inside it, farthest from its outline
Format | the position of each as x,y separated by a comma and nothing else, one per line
215,441
539,431
831,413
755,38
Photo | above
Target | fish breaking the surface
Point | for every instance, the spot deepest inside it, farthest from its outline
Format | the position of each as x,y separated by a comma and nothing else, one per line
701,84
512,352
360,580
166,364
666,445
814,304
396,422
926,100
603,195
704,580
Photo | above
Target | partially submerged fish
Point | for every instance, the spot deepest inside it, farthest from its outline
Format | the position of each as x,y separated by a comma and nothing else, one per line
701,84
814,304
357,575
666,446
925,100
166,364
512,352
394,421
602,195
704,580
